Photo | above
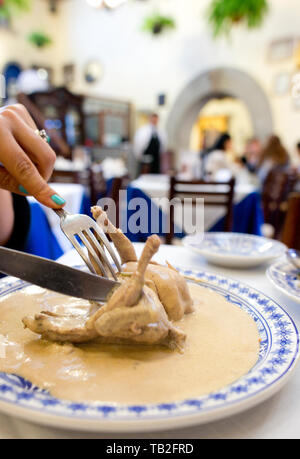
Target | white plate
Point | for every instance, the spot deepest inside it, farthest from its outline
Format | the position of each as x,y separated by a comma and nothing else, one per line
235,250
285,278
279,351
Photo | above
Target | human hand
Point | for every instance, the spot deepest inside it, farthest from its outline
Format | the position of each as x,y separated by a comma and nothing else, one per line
26,160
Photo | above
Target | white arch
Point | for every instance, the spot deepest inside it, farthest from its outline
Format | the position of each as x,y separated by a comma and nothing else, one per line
223,81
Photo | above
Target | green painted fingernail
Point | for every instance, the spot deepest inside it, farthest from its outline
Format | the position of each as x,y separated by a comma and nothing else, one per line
57,199
22,189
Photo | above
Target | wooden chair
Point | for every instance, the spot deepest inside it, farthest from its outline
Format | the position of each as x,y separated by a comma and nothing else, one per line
118,184
202,189
167,162
291,229
97,183
276,189
64,176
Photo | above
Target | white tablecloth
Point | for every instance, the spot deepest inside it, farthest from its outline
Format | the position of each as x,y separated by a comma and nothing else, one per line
276,418
158,185
73,194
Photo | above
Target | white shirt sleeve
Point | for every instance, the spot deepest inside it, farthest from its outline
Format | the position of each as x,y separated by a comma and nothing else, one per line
216,161
141,140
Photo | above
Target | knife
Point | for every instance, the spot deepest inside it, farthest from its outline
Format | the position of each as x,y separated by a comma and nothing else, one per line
54,276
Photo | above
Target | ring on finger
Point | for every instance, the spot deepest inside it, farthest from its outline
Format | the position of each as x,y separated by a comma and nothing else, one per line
43,134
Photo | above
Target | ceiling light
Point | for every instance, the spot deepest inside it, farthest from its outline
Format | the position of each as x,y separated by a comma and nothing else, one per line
95,3
110,4
114,3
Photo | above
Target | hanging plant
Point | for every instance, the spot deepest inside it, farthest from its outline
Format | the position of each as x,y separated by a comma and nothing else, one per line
225,14
8,8
156,23
39,39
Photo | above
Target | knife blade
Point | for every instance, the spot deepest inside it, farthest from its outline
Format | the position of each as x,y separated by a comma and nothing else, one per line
54,276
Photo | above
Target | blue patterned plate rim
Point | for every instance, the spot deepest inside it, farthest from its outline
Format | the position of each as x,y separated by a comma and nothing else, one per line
212,243
285,278
278,355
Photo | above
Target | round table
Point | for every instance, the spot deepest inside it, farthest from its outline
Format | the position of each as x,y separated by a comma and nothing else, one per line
276,418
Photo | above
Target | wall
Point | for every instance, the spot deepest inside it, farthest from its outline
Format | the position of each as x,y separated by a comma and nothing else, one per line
138,67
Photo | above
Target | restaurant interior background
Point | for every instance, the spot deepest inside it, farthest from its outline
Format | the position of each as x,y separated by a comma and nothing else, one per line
91,72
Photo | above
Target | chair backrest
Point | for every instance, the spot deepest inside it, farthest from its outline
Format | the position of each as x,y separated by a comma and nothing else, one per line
291,231
98,183
167,161
277,186
64,176
118,184
218,194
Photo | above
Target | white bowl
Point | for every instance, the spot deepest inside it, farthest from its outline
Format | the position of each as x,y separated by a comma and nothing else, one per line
235,250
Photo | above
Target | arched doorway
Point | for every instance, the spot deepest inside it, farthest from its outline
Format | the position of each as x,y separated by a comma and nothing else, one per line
219,82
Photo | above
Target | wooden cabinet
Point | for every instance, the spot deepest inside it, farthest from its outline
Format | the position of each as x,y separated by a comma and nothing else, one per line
62,111
107,123
73,120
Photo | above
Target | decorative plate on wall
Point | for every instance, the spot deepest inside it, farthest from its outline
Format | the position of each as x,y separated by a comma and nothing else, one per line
93,71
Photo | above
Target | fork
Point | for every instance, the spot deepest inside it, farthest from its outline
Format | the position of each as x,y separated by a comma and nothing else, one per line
93,238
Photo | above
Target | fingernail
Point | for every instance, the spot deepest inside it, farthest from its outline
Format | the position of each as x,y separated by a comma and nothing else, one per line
22,189
58,200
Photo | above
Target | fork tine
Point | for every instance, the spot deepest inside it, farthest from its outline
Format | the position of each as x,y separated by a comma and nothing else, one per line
102,253
81,252
94,240
92,252
105,241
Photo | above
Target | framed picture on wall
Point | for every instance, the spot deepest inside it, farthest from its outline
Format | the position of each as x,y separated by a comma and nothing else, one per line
45,73
282,49
68,74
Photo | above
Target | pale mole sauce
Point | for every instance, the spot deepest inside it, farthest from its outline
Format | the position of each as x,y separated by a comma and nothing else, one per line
222,345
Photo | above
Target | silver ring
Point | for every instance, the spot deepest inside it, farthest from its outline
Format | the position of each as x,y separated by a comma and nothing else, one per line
43,134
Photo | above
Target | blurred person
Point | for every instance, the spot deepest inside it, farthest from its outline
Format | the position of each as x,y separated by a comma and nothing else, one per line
273,155
149,143
296,167
26,163
189,166
251,156
219,158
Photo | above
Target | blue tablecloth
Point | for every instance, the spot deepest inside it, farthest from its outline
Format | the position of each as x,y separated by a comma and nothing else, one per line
247,216
41,241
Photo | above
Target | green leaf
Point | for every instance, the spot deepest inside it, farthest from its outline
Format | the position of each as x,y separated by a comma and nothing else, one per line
11,7
39,39
156,23
224,14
